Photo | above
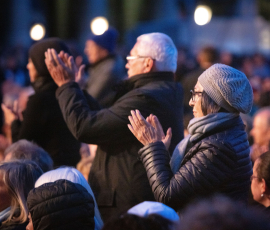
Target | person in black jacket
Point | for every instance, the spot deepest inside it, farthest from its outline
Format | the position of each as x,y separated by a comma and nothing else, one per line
43,122
117,177
60,205
215,156
73,175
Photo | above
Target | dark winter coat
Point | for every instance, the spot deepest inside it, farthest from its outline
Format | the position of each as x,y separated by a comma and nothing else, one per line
61,205
43,124
117,176
219,162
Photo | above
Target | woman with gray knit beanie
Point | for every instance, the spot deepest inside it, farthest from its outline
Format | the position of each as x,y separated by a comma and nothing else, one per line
214,157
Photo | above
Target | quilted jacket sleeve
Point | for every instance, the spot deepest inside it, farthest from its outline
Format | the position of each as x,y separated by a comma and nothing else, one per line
202,172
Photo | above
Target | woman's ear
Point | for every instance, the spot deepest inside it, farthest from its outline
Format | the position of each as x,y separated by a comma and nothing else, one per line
263,187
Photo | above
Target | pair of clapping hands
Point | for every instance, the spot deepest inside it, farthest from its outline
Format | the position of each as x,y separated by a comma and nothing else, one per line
63,70
62,67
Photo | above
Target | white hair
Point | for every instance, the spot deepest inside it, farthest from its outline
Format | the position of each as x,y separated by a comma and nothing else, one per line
161,48
73,175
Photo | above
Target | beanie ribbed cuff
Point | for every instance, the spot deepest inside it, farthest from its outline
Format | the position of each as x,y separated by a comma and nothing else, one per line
214,93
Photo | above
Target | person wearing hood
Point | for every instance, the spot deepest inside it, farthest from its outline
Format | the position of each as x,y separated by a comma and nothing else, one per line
42,120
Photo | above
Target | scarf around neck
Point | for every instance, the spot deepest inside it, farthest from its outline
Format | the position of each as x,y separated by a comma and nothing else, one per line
197,128
4,214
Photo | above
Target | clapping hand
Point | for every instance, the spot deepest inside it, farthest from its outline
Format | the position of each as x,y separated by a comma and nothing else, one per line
11,113
149,130
62,67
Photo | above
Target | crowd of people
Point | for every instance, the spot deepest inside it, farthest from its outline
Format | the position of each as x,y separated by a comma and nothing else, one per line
169,145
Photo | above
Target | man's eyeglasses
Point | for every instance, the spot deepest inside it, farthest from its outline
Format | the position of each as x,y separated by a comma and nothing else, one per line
136,57
253,177
193,94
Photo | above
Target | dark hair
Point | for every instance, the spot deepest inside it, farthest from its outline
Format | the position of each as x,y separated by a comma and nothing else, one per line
208,105
263,168
134,222
26,150
221,213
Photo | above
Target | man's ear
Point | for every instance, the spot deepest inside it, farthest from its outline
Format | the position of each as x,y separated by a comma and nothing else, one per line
149,65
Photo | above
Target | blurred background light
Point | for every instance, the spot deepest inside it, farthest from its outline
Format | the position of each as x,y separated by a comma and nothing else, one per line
37,32
202,15
99,25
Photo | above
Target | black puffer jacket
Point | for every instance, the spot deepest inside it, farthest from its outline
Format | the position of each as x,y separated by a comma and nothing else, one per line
61,205
217,163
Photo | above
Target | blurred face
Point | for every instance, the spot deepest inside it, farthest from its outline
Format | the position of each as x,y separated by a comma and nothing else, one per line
94,52
196,103
5,198
33,74
30,224
260,131
135,66
257,187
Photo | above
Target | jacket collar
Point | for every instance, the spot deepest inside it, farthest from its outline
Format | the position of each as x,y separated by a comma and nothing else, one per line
44,84
140,80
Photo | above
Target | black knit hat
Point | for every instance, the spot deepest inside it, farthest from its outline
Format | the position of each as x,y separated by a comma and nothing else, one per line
36,53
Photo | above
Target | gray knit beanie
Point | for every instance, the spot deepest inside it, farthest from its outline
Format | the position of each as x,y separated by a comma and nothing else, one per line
228,87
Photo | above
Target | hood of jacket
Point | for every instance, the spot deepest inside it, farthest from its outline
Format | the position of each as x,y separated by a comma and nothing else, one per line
61,205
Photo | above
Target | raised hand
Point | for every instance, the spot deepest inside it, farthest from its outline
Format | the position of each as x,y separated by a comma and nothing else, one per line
153,120
69,62
62,71
9,114
149,130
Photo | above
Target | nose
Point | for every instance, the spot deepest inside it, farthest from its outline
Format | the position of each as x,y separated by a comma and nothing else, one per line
191,102
127,65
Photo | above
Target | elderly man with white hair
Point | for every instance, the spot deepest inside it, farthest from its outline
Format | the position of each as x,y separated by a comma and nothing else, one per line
117,176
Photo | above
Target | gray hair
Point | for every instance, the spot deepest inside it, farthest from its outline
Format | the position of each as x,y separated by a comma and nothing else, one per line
161,48
73,175
26,150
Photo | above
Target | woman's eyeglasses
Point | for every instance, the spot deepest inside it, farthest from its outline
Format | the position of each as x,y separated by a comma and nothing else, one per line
194,94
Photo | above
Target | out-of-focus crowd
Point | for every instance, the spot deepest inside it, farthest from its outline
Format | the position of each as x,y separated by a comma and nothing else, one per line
16,86
142,182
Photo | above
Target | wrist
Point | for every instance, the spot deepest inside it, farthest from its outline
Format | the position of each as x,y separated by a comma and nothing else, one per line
63,82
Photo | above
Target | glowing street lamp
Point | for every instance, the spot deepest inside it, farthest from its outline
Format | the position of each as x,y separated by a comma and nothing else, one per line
99,25
202,15
37,32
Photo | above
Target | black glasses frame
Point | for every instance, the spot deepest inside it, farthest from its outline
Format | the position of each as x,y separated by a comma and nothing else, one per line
193,94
